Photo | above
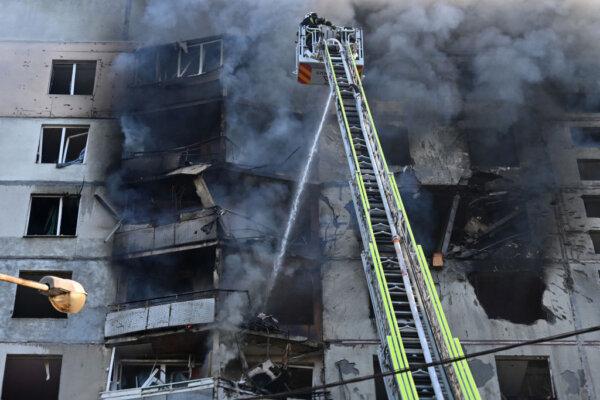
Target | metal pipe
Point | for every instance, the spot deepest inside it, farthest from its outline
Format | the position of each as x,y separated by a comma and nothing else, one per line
24,282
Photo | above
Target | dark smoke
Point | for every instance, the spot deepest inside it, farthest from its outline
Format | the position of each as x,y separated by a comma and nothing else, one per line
491,63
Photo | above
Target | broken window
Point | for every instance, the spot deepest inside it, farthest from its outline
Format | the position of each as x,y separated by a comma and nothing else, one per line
491,149
160,359
211,56
29,303
31,377
595,236
62,145
524,378
521,290
52,215
73,77
140,374
592,206
586,136
589,170
189,61
200,58
184,59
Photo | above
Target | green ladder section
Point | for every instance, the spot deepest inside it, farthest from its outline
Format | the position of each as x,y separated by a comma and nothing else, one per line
397,334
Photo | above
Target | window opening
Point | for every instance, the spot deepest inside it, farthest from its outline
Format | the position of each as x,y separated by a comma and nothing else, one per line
31,377
595,236
53,215
592,206
212,55
73,77
29,303
586,136
189,61
524,378
589,170
62,145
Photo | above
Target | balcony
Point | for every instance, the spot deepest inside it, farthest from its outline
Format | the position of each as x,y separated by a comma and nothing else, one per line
194,230
151,165
177,73
205,388
174,311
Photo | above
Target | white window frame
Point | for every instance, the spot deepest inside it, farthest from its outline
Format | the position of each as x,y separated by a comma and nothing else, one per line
201,57
220,41
66,149
60,212
73,76
179,71
62,151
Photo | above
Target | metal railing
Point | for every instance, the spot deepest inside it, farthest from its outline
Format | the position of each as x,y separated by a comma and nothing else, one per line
179,297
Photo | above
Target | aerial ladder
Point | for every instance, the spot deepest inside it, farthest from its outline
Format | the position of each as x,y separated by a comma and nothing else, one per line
411,324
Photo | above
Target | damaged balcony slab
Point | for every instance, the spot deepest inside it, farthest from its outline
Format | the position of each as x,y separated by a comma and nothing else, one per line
166,313
198,229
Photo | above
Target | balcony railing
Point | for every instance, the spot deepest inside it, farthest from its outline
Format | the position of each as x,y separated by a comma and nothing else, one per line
191,308
205,388
159,164
139,241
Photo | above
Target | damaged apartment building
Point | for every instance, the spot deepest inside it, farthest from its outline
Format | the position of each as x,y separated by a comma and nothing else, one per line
124,170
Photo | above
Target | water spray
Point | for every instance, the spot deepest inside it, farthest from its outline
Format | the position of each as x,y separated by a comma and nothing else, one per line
296,203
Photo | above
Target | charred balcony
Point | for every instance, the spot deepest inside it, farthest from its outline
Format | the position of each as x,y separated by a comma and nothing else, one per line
160,367
199,205
169,315
186,72
167,292
159,142
191,230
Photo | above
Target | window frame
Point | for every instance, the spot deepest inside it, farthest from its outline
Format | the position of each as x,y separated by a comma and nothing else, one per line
201,58
59,217
180,74
220,41
73,76
63,138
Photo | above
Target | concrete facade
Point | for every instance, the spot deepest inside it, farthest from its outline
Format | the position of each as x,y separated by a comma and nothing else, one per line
348,339
25,108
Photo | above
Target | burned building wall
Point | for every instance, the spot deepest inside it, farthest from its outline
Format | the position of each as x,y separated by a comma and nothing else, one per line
512,53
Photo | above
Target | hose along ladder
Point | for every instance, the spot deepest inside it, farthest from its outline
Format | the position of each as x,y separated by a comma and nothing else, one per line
410,322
